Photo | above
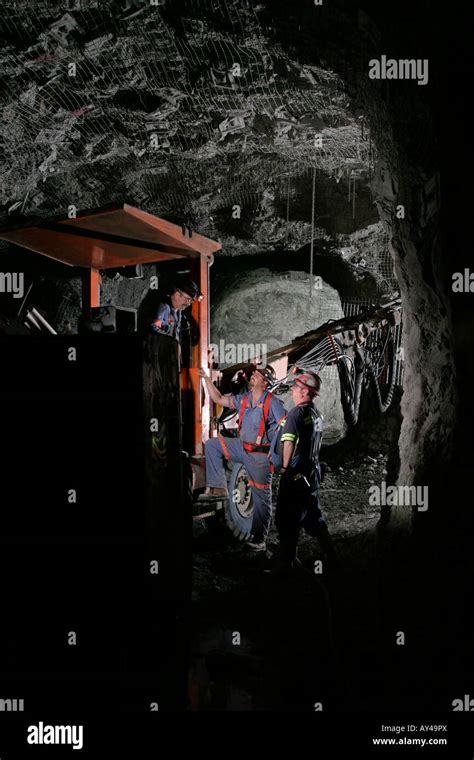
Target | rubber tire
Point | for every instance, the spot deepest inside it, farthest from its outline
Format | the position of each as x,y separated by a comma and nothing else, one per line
240,526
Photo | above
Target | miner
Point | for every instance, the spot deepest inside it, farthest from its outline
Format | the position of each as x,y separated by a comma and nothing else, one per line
168,317
260,413
298,496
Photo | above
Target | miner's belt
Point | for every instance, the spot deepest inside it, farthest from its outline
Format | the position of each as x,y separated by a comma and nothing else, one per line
254,449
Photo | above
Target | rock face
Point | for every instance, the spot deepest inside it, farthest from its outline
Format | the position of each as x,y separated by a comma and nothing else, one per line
429,405
429,401
168,106
269,309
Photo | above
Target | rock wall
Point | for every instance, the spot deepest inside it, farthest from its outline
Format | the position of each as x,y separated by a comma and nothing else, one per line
429,401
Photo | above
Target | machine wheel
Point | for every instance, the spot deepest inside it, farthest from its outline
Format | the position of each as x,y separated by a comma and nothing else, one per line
239,506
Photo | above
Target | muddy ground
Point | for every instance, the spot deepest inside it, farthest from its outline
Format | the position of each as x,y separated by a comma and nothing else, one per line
266,643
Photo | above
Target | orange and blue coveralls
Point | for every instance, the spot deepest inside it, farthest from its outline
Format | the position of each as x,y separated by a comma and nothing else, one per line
251,453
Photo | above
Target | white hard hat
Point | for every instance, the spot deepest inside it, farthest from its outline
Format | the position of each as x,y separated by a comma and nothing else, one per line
309,380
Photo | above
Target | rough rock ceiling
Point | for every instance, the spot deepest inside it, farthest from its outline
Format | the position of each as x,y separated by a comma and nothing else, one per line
184,108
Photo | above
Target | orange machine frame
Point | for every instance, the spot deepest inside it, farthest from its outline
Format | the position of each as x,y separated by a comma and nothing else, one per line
122,236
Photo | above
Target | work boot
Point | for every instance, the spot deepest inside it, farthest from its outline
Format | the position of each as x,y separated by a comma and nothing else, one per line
326,544
287,551
280,569
286,560
213,493
256,544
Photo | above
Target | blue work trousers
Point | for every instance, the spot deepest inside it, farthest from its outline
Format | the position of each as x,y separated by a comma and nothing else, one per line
258,469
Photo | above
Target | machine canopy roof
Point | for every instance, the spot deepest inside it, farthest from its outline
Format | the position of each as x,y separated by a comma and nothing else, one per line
111,238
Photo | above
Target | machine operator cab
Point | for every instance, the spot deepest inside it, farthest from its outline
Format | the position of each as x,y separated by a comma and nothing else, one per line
108,239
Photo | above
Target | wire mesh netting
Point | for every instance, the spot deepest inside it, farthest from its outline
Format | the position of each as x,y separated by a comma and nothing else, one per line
111,98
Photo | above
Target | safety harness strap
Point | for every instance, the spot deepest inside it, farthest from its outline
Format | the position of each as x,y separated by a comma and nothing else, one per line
243,407
260,486
264,448
224,447
263,421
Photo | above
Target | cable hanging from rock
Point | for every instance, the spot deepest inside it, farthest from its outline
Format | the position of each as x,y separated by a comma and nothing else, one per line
312,235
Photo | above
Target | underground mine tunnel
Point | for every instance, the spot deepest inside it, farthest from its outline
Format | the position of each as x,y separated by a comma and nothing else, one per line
256,127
